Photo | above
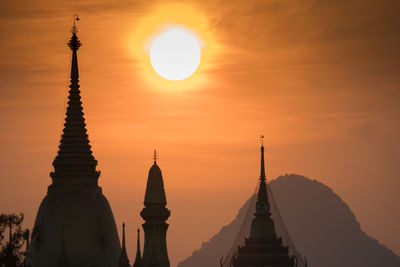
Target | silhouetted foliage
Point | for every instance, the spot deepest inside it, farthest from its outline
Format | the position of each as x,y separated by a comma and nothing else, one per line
12,238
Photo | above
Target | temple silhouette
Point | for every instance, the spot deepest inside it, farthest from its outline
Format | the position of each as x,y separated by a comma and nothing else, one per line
75,226
263,247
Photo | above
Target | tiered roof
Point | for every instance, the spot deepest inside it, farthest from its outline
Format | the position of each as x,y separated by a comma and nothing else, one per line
74,163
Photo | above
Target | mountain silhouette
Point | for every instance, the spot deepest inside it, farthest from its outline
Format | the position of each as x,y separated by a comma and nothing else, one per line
321,225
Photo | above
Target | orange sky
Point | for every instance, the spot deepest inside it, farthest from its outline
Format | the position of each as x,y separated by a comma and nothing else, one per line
320,79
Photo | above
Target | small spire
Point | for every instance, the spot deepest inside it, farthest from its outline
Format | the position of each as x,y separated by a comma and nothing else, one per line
123,234
138,242
155,156
123,258
262,205
138,259
262,173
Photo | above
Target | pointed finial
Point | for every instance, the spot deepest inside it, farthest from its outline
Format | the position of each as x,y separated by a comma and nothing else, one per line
74,43
138,242
262,173
123,257
155,156
123,234
138,260
76,18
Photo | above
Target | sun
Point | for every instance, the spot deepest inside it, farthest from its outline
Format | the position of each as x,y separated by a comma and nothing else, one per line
174,47
175,54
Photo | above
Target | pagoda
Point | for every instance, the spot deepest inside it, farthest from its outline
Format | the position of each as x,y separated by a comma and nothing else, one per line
155,215
263,247
74,201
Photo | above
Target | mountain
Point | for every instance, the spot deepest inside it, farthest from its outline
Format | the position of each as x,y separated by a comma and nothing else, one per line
321,225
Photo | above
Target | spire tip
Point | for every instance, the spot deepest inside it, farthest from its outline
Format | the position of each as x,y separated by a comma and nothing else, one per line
74,28
74,43
262,173
155,156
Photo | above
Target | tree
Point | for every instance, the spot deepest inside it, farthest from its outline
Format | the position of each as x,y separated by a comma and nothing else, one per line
11,254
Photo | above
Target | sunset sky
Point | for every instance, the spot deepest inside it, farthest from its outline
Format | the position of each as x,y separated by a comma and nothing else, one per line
319,79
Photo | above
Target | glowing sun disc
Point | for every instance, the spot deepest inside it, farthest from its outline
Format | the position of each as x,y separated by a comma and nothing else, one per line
175,54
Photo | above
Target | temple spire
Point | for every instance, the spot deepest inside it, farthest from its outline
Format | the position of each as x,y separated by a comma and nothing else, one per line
123,258
74,163
138,259
262,205
262,226
155,215
263,247
123,235
262,173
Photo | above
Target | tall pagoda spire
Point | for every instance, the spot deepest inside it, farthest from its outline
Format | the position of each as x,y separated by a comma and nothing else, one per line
138,259
262,205
123,258
74,163
262,226
263,247
74,196
262,172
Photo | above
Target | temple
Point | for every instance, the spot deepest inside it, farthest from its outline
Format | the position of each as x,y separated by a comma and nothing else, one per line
263,247
155,215
74,201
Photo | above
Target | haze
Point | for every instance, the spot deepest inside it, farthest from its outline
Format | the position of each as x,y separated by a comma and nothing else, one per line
319,79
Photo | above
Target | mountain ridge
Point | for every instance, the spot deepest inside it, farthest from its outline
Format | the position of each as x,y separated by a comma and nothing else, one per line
321,225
